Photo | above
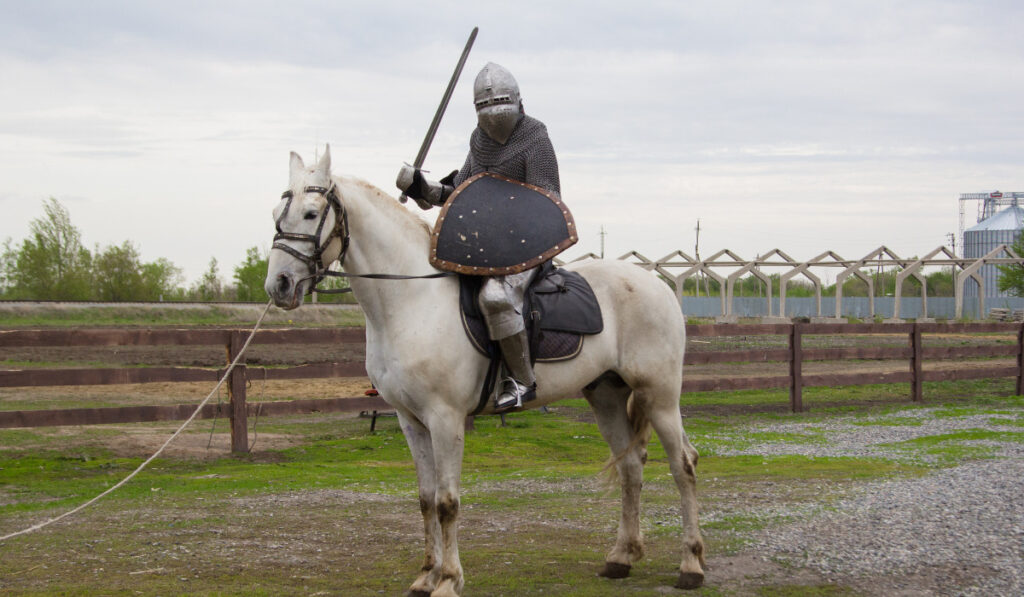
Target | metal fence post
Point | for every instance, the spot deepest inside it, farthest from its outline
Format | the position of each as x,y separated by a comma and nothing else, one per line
916,364
796,362
236,388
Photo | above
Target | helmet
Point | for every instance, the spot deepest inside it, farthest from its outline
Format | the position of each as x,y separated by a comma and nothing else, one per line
498,105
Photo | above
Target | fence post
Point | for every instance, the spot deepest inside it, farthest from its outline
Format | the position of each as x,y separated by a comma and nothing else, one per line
236,388
916,364
796,362
1020,359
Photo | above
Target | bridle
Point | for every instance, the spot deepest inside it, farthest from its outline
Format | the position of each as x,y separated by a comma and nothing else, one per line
314,261
318,270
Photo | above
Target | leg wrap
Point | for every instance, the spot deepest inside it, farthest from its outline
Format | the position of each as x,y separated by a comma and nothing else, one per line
516,351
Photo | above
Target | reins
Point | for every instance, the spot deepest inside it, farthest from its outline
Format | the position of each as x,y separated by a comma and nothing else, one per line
369,276
314,261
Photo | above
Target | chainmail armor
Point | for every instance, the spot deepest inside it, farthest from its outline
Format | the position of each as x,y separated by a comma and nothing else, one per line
527,156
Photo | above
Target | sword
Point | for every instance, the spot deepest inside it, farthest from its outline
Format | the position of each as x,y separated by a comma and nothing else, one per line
429,138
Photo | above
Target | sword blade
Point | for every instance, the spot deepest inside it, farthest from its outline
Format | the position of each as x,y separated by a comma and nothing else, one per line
429,137
421,156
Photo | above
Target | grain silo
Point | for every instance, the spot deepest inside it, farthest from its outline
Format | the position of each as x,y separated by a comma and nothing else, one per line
1002,228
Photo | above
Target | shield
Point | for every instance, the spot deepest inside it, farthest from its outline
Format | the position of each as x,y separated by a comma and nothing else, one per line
493,226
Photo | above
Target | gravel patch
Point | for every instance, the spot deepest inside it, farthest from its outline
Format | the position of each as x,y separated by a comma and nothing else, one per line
966,519
860,437
956,531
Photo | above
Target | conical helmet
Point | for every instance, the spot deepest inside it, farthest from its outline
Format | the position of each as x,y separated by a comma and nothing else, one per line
498,105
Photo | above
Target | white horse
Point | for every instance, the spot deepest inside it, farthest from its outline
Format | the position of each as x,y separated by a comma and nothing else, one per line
420,359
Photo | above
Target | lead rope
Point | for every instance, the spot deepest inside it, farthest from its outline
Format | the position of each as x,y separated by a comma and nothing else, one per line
158,452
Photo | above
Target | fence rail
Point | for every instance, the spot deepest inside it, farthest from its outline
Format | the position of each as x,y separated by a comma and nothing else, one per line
237,410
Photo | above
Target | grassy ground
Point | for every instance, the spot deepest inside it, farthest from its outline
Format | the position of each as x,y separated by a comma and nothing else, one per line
845,398
332,510
324,507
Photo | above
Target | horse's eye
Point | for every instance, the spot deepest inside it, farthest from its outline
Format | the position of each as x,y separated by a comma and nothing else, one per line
310,215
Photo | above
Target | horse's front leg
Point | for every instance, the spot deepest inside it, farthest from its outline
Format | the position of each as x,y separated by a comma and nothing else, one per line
447,436
418,438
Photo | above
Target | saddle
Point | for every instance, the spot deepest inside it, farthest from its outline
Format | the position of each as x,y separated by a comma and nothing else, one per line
559,309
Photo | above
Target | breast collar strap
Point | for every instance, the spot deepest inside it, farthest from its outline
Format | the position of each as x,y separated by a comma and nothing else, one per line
314,260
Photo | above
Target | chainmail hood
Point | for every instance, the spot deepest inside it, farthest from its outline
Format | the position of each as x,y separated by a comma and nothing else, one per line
527,156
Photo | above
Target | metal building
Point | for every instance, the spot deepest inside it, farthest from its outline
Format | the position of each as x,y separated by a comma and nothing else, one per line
986,205
1003,228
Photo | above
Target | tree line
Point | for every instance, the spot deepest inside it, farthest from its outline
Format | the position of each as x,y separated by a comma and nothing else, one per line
52,263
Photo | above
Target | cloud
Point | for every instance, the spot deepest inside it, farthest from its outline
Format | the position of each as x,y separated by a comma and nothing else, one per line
805,126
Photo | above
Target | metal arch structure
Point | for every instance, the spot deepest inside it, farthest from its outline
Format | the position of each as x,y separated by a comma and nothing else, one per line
638,259
679,259
804,268
677,267
753,268
914,269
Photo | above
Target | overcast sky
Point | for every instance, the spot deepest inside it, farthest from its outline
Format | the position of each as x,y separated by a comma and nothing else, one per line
799,125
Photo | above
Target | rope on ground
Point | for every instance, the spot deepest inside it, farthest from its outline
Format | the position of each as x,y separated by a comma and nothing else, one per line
195,413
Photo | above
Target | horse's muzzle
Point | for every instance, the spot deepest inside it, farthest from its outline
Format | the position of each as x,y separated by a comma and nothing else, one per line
285,291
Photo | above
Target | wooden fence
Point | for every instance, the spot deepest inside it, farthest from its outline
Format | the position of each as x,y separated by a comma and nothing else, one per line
914,353
238,411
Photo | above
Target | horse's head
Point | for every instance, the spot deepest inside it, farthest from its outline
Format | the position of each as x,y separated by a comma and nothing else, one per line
311,232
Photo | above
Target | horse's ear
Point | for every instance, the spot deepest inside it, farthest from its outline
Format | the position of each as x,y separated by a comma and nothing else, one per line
324,167
297,168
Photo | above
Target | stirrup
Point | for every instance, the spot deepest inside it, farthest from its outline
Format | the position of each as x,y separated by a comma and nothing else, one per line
514,396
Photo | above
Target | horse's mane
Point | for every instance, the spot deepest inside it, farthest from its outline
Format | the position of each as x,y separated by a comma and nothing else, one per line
391,206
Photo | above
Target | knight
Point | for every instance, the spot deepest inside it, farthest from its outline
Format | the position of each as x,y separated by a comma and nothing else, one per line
511,144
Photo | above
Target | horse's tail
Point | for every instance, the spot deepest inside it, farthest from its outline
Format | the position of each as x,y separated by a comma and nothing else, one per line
641,435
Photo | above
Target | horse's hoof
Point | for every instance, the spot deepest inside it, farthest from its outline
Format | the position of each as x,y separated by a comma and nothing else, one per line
614,570
689,580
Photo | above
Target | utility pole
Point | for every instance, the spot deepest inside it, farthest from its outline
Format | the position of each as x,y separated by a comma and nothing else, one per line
952,241
696,250
603,234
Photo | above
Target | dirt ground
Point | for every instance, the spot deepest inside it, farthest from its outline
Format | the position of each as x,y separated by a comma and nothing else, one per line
317,534
292,545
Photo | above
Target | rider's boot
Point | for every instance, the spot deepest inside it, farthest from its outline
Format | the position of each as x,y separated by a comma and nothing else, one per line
521,385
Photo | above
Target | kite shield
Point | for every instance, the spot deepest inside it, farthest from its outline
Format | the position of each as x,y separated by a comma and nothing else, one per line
493,226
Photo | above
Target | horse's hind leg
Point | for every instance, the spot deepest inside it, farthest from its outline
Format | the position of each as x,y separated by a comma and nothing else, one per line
664,416
609,399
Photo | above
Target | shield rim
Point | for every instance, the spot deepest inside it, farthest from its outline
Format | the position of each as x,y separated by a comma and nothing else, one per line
451,266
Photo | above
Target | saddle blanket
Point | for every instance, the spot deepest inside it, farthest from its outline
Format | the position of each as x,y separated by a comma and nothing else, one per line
560,309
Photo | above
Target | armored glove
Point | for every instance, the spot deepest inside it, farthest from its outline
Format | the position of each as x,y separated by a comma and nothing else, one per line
427,193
